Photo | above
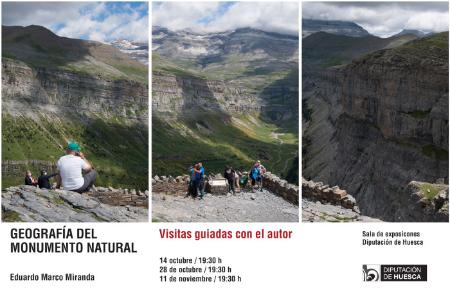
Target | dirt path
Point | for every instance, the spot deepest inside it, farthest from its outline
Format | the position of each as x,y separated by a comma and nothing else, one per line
242,207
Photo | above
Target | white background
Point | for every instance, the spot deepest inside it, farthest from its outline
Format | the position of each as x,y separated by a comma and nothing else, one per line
320,256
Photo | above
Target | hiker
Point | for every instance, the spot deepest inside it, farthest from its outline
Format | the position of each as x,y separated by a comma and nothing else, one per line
71,167
236,181
255,175
230,175
192,189
29,180
44,180
199,180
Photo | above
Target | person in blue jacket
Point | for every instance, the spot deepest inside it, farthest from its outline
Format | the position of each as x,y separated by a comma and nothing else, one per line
255,175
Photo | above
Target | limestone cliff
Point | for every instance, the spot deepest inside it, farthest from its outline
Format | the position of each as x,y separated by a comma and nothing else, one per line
380,123
187,94
62,91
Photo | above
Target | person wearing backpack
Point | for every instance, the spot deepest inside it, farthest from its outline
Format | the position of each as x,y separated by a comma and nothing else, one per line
192,190
255,175
230,175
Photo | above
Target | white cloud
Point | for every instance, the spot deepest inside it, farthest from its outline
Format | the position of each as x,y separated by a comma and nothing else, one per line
88,20
270,16
383,18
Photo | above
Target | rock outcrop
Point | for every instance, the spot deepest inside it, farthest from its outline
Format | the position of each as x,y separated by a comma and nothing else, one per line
322,203
316,211
31,204
426,202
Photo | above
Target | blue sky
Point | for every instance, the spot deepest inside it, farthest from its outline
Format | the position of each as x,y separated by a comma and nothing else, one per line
101,21
221,16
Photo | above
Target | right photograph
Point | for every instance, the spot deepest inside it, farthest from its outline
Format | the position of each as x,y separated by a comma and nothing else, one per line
375,112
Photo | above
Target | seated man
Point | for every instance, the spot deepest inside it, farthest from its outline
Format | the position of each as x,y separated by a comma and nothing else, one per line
44,180
71,167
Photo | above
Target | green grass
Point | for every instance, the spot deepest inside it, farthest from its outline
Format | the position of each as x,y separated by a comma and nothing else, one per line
419,114
429,190
10,216
426,47
118,152
332,61
134,73
435,152
178,144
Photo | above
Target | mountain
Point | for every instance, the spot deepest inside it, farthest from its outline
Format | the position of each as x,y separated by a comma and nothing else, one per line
310,26
56,89
225,98
417,33
137,50
376,130
323,49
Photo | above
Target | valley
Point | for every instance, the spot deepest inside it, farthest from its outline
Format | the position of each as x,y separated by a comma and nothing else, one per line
226,98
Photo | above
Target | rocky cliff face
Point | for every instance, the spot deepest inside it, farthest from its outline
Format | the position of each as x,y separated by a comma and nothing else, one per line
384,123
176,94
67,91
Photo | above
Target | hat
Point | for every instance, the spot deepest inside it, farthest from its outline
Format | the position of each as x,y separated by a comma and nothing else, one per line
73,146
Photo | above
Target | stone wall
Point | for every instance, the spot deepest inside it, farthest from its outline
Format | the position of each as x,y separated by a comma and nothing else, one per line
178,186
120,197
18,168
170,185
317,191
289,192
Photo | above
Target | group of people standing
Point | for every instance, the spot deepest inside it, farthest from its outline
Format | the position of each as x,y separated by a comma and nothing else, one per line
236,179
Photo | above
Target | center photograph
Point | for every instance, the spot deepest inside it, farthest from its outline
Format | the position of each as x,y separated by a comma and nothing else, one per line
225,112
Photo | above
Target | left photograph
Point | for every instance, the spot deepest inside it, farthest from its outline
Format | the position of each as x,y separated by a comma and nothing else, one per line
74,112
